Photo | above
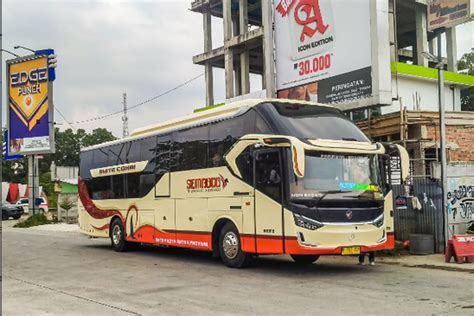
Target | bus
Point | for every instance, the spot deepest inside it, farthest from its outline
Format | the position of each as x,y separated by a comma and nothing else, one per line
254,177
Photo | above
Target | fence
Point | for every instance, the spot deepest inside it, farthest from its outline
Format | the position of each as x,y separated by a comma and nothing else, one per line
428,220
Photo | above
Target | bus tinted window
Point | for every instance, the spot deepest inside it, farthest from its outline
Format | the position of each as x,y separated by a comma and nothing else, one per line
101,158
101,188
223,135
113,153
86,164
118,187
191,147
133,152
163,152
147,148
311,122
245,164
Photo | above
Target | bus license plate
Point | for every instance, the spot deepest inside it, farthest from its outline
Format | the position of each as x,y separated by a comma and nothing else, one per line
346,251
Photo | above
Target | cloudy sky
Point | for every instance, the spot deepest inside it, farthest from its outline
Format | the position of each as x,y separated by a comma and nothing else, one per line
109,47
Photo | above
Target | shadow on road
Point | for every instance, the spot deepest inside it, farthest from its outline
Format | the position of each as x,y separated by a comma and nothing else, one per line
278,264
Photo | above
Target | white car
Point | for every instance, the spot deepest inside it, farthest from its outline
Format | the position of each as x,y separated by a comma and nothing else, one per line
40,201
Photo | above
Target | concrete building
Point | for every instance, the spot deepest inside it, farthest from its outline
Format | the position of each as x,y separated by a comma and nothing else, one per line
247,47
410,119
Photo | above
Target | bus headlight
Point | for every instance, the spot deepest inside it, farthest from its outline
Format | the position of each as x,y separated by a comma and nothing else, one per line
378,222
305,222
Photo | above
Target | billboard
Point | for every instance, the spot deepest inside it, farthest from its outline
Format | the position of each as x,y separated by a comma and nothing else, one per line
333,52
30,109
448,13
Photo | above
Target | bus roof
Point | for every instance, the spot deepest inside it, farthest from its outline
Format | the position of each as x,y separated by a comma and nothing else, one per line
195,118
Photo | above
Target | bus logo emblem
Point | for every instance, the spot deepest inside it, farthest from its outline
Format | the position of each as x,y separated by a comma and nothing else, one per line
349,214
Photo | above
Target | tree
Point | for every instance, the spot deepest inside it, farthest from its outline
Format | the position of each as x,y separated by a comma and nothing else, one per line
467,95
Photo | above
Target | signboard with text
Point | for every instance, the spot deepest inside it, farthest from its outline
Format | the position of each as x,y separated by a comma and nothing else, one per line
448,13
30,114
328,51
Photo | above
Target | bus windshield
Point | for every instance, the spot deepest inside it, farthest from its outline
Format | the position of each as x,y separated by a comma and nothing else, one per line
354,175
306,121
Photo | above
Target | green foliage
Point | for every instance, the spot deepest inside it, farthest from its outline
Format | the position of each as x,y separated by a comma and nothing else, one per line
48,189
34,220
467,95
67,204
69,144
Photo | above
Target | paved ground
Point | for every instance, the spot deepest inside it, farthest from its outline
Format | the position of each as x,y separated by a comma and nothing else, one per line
60,272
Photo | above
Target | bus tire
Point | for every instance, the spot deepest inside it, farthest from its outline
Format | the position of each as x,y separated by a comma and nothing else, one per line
230,248
305,259
117,236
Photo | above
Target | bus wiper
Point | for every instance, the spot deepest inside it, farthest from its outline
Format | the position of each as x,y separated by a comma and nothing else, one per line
324,193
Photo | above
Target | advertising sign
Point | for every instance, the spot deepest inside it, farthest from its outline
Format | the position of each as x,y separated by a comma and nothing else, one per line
327,51
30,113
448,13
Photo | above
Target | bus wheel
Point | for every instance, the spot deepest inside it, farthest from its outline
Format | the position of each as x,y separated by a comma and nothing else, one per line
304,259
117,236
230,248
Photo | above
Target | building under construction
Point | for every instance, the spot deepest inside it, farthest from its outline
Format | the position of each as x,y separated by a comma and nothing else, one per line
411,117
247,47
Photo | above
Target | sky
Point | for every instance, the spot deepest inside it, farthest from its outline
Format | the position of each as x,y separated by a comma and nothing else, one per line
106,48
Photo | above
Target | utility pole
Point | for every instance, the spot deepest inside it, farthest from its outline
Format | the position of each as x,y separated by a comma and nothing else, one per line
125,116
442,140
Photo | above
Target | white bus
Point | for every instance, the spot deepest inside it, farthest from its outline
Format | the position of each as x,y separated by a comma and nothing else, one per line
267,176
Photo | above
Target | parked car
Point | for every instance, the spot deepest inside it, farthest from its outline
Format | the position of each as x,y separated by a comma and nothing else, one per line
41,203
11,210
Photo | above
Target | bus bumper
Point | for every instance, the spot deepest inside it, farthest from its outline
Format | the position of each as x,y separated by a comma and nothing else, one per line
293,246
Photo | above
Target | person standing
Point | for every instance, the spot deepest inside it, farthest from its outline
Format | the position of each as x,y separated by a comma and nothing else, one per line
371,258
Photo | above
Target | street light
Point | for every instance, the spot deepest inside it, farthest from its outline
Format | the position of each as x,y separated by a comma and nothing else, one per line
442,137
7,51
19,46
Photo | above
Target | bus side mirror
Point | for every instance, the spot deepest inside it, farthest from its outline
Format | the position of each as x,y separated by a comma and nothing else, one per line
404,163
298,157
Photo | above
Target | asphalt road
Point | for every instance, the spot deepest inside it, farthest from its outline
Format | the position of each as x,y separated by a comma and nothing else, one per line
64,273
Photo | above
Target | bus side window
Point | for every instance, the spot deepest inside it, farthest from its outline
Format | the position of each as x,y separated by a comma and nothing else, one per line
222,135
118,187
133,152
245,164
191,147
268,174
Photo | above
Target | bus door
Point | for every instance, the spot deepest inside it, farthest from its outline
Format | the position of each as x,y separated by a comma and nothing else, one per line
268,186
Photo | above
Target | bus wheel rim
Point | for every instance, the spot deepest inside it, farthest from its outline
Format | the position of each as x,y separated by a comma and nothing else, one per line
116,234
230,245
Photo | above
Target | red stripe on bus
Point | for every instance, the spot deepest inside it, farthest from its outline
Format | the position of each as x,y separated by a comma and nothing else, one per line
184,239
101,227
90,207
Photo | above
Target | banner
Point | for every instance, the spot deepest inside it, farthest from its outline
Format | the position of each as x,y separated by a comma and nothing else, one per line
30,114
324,51
448,13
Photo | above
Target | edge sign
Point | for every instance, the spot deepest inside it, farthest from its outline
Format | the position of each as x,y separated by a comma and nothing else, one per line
30,107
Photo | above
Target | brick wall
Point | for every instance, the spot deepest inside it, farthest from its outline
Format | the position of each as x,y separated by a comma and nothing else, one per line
460,141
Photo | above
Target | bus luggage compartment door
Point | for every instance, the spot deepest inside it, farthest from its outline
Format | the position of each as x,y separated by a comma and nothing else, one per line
268,201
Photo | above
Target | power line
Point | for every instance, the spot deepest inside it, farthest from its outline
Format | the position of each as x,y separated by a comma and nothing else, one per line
101,117
64,118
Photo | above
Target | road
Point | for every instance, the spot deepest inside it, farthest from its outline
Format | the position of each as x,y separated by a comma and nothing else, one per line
64,273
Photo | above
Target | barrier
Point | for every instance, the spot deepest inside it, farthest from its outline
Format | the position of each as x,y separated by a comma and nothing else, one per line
461,247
